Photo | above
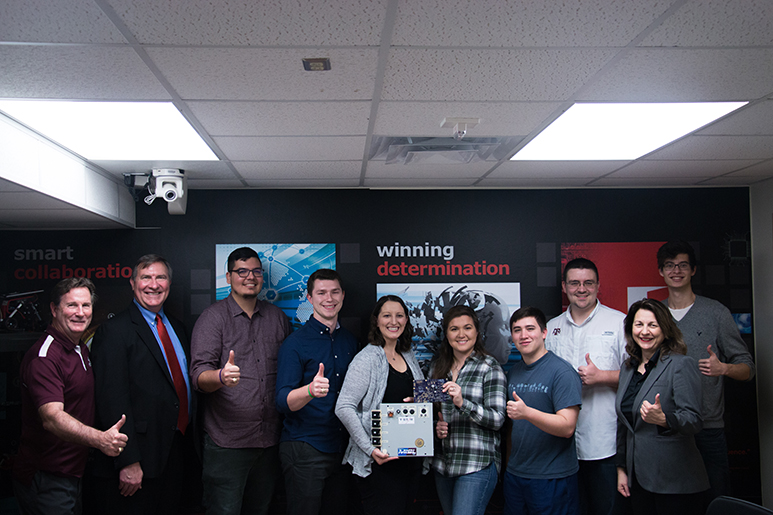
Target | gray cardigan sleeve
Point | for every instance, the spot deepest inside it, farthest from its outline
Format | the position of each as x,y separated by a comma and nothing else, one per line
362,391
732,348
358,384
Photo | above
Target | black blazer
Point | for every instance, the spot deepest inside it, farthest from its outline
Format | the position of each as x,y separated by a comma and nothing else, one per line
665,461
132,378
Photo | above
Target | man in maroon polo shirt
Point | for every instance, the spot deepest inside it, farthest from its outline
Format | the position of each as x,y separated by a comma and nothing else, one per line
58,408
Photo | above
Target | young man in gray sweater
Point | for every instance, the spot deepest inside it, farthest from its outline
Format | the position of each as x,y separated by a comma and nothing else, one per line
712,338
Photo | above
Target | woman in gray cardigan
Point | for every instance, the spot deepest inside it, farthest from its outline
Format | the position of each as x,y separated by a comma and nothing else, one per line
382,372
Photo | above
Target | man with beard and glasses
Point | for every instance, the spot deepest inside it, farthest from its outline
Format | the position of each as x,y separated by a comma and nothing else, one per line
234,352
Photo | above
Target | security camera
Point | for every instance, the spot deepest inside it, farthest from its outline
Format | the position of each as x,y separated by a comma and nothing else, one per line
459,134
168,183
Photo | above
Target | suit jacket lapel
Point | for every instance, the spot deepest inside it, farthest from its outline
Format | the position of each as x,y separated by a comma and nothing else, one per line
655,373
149,339
626,375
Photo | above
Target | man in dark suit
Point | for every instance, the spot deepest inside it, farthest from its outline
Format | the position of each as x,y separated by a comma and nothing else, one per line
140,360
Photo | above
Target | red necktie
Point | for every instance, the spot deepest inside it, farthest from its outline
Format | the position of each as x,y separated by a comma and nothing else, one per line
177,375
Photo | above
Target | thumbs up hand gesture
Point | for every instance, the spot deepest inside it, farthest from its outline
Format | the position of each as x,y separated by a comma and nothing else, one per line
230,373
589,373
113,441
711,366
653,413
320,384
516,408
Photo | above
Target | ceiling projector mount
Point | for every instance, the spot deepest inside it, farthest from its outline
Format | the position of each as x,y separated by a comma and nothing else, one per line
459,126
167,183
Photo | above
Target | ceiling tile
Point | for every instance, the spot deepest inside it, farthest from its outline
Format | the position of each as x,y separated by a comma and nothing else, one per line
523,22
216,184
732,180
652,182
532,183
764,169
305,184
554,169
266,74
283,118
490,74
296,170
292,149
684,75
716,23
247,22
756,119
76,72
514,64
717,147
60,21
702,168
421,182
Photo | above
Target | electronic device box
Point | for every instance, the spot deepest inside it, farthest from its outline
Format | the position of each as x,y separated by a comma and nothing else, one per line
403,429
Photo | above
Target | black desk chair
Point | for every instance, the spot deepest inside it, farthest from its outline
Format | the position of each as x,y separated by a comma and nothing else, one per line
723,505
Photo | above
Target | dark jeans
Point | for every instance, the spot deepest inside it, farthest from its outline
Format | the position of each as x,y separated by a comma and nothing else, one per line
391,488
48,494
239,481
315,481
541,496
713,448
598,486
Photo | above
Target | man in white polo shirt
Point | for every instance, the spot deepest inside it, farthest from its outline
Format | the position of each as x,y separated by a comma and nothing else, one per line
590,336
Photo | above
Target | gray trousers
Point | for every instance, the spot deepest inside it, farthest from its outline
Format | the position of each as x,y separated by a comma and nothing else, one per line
49,494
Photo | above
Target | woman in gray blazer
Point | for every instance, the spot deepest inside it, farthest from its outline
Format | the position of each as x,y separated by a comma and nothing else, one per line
382,372
658,411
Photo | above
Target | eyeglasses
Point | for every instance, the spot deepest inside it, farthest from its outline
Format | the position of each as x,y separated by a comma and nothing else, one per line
684,266
245,272
576,284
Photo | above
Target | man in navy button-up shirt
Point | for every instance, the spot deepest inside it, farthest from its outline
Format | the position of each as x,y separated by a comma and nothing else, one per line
312,366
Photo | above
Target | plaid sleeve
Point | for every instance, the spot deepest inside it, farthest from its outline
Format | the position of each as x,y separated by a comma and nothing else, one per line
491,390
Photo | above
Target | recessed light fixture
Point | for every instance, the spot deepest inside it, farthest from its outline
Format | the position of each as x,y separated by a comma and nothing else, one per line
603,132
113,131
316,64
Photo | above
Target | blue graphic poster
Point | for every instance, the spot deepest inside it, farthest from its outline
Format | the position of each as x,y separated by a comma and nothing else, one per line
286,268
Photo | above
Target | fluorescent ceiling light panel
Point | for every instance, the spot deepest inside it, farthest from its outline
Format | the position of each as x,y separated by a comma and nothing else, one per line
603,132
113,131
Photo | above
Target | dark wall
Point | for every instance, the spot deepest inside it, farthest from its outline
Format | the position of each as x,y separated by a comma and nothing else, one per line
520,228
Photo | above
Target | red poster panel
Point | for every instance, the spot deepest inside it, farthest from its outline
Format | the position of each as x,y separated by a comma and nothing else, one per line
628,271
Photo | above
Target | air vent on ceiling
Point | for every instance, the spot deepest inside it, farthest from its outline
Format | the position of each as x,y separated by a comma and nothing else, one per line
405,150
